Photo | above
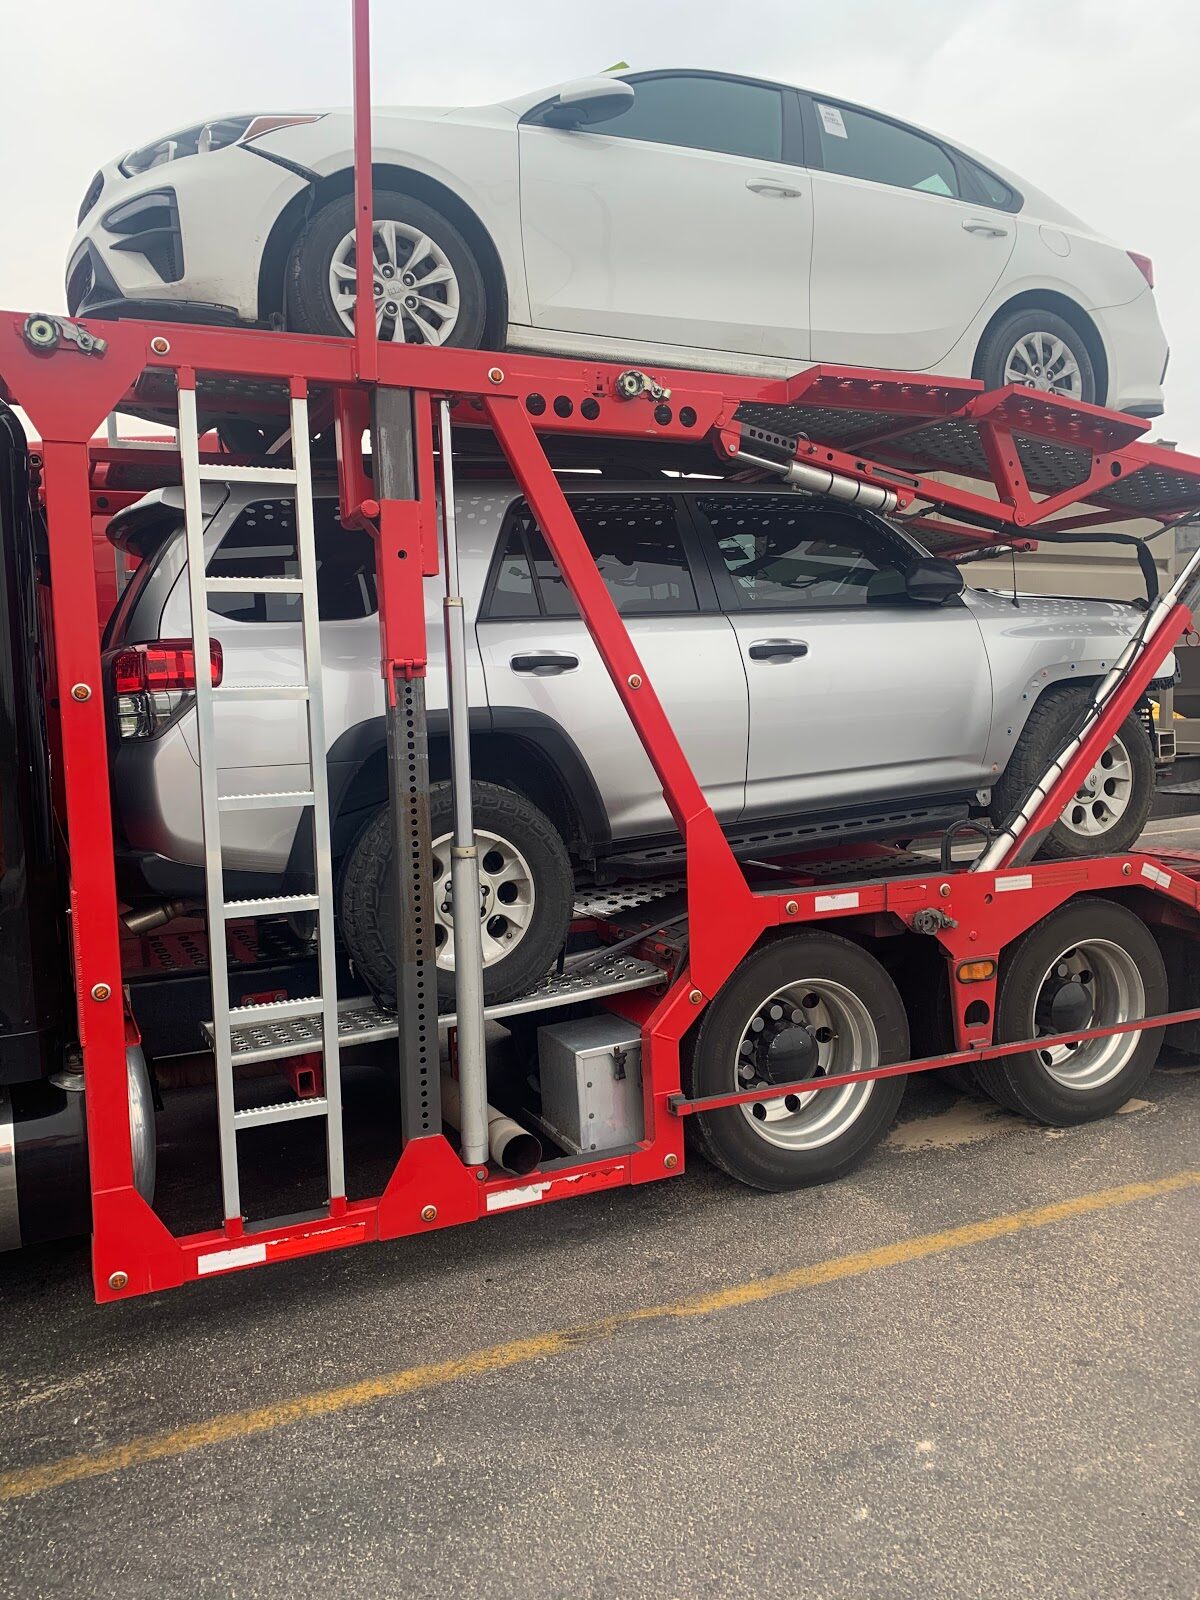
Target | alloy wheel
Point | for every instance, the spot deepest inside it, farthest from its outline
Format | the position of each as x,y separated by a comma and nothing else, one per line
1103,798
810,1029
415,286
1045,362
1094,984
507,897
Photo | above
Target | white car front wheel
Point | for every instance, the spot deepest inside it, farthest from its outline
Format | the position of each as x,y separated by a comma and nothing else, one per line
427,285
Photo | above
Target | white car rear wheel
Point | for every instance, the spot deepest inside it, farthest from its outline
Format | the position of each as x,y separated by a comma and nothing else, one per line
1037,349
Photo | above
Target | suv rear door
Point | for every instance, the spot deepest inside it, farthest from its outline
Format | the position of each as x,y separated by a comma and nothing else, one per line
856,692
539,658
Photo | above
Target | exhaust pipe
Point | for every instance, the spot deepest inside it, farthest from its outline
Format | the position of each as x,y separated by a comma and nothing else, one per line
158,916
511,1146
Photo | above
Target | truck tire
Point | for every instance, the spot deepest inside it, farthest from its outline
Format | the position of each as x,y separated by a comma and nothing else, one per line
527,887
1089,964
809,1005
1109,812
442,300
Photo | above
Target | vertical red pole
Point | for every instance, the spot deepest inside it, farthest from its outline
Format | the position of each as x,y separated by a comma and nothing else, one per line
366,344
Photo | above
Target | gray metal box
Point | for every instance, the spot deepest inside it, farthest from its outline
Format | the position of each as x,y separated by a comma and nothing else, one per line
591,1071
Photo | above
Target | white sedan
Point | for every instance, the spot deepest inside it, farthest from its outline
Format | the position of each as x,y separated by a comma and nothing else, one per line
684,217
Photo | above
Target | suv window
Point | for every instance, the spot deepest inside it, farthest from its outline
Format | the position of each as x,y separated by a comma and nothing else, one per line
262,544
859,145
637,548
739,119
783,555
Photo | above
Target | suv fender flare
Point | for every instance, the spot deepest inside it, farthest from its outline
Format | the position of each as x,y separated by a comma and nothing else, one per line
350,752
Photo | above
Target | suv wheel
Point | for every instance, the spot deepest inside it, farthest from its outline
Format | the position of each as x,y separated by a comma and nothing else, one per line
526,885
1109,810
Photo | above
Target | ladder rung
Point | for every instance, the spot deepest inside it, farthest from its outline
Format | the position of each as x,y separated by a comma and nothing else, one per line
276,1011
211,473
271,905
263,802
285,1111
252,585
261,691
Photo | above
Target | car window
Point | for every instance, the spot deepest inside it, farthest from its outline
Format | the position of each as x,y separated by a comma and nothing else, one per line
262,544
994,189
636,546
739,119
859,145
781,554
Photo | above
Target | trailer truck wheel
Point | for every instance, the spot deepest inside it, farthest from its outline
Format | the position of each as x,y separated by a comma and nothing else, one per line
526,895
1109,810
806,1007
1090,964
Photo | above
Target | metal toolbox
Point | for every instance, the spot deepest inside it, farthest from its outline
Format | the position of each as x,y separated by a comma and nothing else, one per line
591,1072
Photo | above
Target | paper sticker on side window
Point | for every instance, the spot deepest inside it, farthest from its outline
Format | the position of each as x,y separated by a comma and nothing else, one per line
831,121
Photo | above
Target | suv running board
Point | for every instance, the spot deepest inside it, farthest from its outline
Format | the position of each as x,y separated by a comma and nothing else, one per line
919,819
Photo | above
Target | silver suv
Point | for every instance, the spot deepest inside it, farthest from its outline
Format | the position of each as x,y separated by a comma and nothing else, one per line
828,680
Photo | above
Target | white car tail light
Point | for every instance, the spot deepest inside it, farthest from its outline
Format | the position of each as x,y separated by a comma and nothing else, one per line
152,682
1144,265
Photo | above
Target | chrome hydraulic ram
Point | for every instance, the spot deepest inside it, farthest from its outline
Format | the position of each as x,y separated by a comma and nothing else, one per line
820,480
464,857
1015,844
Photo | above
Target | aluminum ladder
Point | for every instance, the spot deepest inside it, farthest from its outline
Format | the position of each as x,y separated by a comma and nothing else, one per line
323,1007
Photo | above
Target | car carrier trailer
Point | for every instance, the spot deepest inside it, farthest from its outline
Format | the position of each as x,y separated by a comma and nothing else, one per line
662,957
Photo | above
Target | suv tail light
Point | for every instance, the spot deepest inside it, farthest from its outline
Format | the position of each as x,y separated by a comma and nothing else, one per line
1144,265
153,682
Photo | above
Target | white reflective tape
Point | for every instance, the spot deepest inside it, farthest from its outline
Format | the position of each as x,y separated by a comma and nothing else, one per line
836,902
1162,879
501,1199
244,1255
1018,880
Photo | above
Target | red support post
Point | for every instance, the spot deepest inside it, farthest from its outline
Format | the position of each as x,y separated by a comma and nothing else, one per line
366,340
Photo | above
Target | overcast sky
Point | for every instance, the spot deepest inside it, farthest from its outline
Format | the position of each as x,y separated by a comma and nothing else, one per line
1096,101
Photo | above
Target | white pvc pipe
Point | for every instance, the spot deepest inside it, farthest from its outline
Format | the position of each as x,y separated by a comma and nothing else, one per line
511,1145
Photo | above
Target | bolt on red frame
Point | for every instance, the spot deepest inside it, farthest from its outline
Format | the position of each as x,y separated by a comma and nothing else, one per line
68,393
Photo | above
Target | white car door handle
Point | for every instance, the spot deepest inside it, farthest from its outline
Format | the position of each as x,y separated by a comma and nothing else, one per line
986,230
777,650
768,186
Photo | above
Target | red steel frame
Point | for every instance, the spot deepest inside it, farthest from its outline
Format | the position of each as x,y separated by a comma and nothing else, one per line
67,395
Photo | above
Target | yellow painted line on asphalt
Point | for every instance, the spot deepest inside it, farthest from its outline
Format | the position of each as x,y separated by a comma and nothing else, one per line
520,1352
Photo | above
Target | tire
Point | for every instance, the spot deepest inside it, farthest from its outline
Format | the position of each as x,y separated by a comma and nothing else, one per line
328,236
1093,825
1112,965
523,930
826,1136
1000,360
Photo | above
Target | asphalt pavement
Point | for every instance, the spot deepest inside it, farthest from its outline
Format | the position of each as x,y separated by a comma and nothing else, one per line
969,1369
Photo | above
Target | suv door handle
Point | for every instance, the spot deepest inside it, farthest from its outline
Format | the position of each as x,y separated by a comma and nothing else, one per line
768,186
986,230
545,663
778,649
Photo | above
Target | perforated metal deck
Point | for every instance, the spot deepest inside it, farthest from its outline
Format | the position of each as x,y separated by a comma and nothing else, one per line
269,1037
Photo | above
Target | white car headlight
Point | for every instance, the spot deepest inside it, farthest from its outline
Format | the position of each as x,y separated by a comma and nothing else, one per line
205,137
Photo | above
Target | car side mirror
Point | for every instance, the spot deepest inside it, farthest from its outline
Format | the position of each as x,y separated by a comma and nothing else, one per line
933,581
588,101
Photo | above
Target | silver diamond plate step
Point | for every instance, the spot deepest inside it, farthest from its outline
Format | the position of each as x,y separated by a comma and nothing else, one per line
363,1022
622,897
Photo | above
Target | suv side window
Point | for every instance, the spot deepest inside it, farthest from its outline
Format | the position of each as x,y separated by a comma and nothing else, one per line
262,544
637,547
704,113
858,145
782,554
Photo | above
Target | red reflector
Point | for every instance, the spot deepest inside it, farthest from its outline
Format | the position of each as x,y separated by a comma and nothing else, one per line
167,664
1144,265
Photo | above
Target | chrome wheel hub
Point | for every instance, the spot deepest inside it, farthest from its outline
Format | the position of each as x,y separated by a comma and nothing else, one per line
1095,984
1103,798
506,898
1042,361
808,1030
416,293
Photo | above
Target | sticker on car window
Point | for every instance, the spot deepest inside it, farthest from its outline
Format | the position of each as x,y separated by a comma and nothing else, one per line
831,121
935,184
